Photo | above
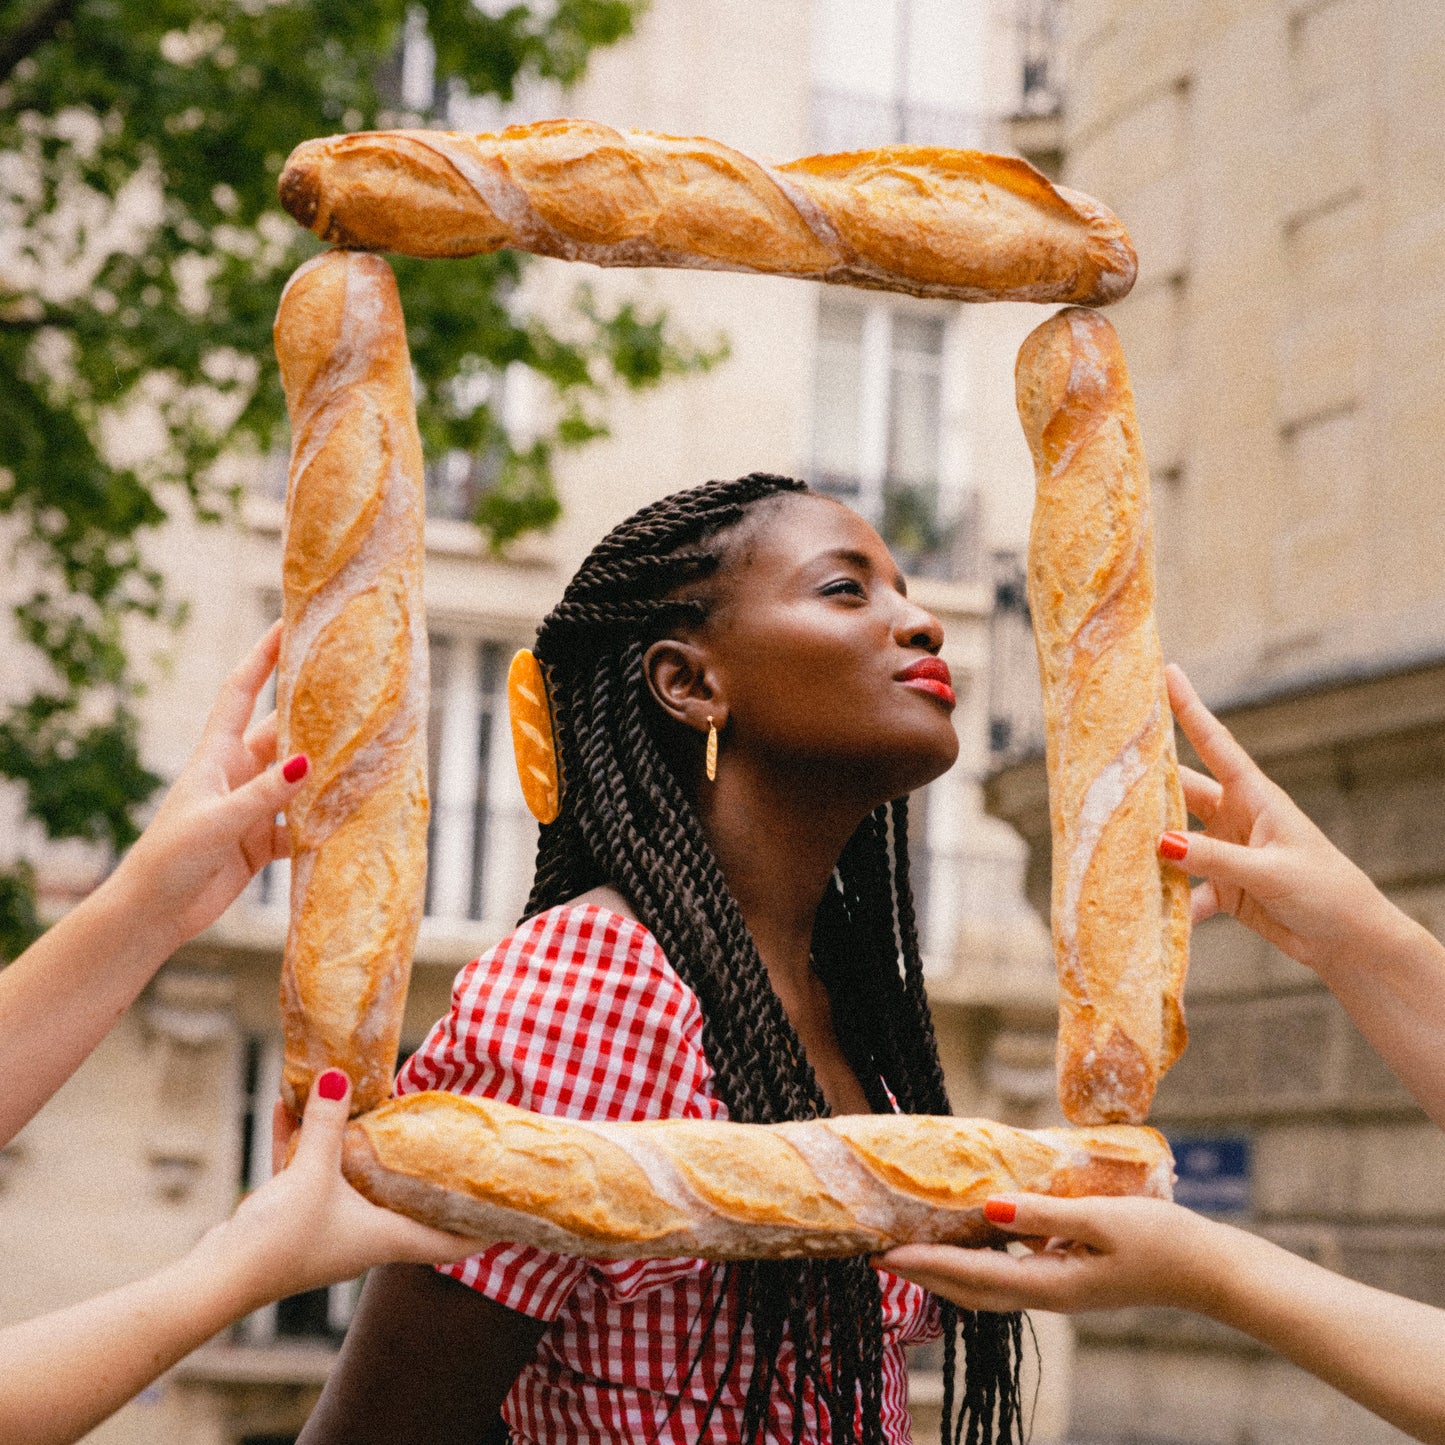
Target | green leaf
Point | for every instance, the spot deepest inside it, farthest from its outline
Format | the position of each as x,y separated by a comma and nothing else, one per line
183,111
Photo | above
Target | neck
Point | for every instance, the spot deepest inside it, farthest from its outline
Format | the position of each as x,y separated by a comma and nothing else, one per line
777,842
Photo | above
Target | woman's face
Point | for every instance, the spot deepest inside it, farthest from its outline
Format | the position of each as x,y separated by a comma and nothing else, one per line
825,666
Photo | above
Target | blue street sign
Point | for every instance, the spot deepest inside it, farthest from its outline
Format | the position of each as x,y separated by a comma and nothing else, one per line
1214,1172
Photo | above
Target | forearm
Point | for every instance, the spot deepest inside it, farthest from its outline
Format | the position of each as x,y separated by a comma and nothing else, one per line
66,991
1385,1352
1392,984
62,1374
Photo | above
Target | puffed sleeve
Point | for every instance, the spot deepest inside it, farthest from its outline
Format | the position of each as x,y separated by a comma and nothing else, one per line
576,1014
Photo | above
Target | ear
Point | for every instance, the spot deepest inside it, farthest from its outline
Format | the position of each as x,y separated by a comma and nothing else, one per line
680,678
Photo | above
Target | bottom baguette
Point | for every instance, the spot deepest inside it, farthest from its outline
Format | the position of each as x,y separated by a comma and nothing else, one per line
847,1185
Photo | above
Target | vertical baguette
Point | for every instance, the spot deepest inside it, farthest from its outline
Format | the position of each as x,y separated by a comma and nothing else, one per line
1120,920
352,678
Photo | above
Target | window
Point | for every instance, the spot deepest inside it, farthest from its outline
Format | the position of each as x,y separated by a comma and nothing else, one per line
908,71
878,430
481,840
466,737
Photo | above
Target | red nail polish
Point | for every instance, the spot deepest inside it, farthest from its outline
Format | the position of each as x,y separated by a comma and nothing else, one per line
1174,847
296,769
333,1084
999,1211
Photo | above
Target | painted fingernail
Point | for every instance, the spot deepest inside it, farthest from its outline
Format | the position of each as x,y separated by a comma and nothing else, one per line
1174,847
332,1084
296,768
999,1211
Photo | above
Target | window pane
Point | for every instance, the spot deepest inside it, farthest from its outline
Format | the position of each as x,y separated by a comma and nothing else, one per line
915,415
837,394
440,648
491,680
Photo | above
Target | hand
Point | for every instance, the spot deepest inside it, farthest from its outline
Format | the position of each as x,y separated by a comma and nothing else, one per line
217,825
1088,1254
1261,858
307,1227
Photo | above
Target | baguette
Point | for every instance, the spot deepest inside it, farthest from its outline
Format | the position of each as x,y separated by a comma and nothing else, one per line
351,688
956,224
1120,920
715,1190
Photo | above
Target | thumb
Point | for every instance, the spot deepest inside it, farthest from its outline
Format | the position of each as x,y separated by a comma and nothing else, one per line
1041,1216
266,794
324,1123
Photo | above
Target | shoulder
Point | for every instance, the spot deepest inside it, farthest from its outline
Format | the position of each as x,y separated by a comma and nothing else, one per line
575,975
603,896
582,943
577,1012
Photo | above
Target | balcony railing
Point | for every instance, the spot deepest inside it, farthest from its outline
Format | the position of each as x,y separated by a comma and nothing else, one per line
926,539
847,121
1015,702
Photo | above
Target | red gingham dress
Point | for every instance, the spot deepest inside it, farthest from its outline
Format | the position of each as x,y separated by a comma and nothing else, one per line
578,1014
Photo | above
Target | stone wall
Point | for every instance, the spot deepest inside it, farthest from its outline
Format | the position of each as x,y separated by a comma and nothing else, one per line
1278,165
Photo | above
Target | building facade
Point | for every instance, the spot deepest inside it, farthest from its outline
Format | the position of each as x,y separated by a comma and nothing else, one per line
1278,165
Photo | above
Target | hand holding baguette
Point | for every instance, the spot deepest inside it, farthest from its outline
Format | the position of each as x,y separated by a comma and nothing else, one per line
956,224
1120,920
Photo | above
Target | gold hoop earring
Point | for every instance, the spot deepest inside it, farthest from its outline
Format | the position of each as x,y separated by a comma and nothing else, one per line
711,750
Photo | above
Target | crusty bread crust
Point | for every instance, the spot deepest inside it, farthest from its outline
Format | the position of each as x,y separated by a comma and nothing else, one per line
352,678
848,1185
961,225
1120,920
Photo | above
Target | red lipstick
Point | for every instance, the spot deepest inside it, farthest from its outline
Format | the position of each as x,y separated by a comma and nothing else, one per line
930,675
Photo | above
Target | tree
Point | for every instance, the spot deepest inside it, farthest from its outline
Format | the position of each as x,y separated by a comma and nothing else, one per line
142,254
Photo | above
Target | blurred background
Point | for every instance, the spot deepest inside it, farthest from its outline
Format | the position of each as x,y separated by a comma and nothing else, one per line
1279,165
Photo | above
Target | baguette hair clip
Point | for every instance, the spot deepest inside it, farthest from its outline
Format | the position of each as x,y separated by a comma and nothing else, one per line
533,742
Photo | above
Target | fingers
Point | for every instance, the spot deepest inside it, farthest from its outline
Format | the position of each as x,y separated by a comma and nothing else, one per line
407,1242
1041,1216
261,741
1203,903
977,1279
324,1122
264,796
1202,795
1214,743
1233,865
284,1125
237,699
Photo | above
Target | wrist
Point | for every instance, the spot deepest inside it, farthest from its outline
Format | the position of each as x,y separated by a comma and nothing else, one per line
234,1271
1379,935
136,910
1203,1279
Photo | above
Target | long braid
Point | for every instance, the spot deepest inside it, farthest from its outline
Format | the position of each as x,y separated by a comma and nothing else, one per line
626,820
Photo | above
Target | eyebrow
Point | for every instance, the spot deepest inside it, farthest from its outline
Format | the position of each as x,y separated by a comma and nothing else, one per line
864,562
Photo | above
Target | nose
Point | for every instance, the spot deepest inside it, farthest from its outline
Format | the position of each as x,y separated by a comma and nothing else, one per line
918,627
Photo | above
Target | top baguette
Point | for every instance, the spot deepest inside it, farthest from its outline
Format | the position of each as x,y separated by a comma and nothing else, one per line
961,225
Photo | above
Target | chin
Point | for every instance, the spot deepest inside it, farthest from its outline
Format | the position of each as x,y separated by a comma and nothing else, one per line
917,760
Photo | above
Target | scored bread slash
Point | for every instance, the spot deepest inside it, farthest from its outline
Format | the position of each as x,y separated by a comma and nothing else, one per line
532,739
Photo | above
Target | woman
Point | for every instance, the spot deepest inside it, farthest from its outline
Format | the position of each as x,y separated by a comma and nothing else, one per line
62,1374
739,947
1265,862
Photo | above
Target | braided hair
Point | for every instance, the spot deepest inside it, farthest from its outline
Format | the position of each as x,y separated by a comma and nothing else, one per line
627,821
